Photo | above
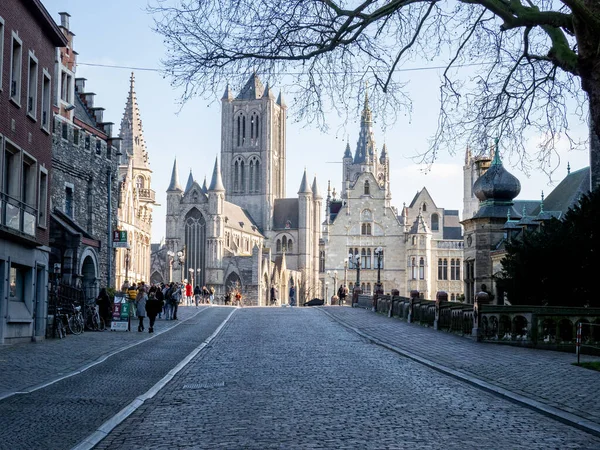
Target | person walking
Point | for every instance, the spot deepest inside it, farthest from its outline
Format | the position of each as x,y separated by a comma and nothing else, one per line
188,294
104,307
205,294
161,298
211,296
197,294
175,299
292,295
342,291
153,307
140,303
274,295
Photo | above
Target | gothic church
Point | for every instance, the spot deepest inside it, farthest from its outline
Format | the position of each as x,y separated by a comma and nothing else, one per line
241,232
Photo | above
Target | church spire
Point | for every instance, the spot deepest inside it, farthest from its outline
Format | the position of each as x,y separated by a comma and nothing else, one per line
365,148
315,190
133,144
190,182
304,187
216,183
174,185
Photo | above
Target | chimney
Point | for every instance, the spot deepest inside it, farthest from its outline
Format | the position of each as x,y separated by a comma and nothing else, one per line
64,20
89,99
80,84
98,114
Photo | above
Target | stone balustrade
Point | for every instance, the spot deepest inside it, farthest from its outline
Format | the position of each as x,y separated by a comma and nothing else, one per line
541,327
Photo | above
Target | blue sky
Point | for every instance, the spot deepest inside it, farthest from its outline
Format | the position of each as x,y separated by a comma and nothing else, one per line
117,32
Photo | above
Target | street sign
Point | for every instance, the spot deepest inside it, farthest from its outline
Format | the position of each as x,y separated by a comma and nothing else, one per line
120,239
120,316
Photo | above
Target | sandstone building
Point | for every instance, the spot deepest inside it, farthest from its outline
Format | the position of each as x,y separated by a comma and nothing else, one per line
421,248
136,197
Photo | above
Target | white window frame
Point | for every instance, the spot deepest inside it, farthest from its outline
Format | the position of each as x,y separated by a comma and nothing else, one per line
16,99
43,202
33,112
1,50
46,101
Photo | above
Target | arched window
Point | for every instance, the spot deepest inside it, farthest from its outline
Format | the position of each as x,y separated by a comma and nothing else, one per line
243,130
242,185
421,269
257,125
278,245
236,176
290,246
362,287
413,269
414,240
239,131
368,288
368,266
252,126
424,207
251,176
445,273
435,222
195,244
284,244
256,175
455,269
367,189
321,261
366,216
440,269
363,258
139,182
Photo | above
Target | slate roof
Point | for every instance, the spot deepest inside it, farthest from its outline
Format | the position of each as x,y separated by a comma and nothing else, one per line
82,113
452,233
567,193
530,206
286,209
239,219
252,90
334,207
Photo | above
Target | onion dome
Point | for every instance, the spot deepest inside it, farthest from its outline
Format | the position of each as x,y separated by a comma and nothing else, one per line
496,189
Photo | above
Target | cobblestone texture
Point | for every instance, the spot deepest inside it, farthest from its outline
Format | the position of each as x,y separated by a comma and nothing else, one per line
293,378
61,415
546,376
26,365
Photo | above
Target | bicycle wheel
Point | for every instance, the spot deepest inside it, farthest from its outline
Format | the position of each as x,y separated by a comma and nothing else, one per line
75,325
60,328
101,324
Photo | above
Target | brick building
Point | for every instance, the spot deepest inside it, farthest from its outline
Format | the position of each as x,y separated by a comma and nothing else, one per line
28,39
83,189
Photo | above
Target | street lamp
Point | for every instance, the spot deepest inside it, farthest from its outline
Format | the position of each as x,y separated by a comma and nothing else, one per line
181,258
379,254
345,272
355,259
198,274
171,256
127,264
326,291
191,275
334,276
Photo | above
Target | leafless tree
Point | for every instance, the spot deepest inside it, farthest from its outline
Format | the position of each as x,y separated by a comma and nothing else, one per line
525,65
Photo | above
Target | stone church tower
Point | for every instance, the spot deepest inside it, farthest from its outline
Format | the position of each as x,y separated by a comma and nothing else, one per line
253,135
136,196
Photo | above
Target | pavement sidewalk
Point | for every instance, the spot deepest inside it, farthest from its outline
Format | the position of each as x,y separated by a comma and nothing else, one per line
24,366
546,377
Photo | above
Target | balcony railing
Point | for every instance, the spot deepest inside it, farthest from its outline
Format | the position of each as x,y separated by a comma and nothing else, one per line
146,195
458,245
18,215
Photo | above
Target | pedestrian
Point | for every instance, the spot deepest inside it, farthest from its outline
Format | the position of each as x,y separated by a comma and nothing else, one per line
274,295
205,294
140,303
342,291
211,296
104,307
292,295
175,299
238,298
161,298
228,298
197,294
188,294
167,300
153,307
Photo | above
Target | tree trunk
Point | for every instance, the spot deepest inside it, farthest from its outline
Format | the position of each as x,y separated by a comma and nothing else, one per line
588,41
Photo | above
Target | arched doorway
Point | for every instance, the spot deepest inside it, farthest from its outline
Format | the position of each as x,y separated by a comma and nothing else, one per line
156,278
233,282
88,277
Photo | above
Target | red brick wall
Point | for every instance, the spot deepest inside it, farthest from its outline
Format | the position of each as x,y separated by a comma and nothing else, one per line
28,134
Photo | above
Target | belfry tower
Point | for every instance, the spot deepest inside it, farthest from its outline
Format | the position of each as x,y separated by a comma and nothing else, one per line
253,135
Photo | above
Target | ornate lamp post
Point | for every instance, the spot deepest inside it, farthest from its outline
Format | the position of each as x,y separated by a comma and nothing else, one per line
191,271
171,256
127,264
379,255
181,259
326,292
333,275
345,271
198,274
355,259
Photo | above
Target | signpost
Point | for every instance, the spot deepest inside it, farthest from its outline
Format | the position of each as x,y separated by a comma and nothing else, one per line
120,317
120,239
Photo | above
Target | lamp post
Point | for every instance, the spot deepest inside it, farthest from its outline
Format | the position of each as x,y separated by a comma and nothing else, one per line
181,258
191,275
171,256
326,291
356,260
379,254
127,264
345,271
198,274
333,275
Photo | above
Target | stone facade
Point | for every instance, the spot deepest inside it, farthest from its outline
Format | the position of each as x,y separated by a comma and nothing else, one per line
240,232
83,189
421,248
136,197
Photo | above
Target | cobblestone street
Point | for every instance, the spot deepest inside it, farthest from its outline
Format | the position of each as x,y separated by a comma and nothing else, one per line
283,378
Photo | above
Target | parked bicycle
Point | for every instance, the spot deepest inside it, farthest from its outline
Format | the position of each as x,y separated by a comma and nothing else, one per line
75,321
93,320
60,331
